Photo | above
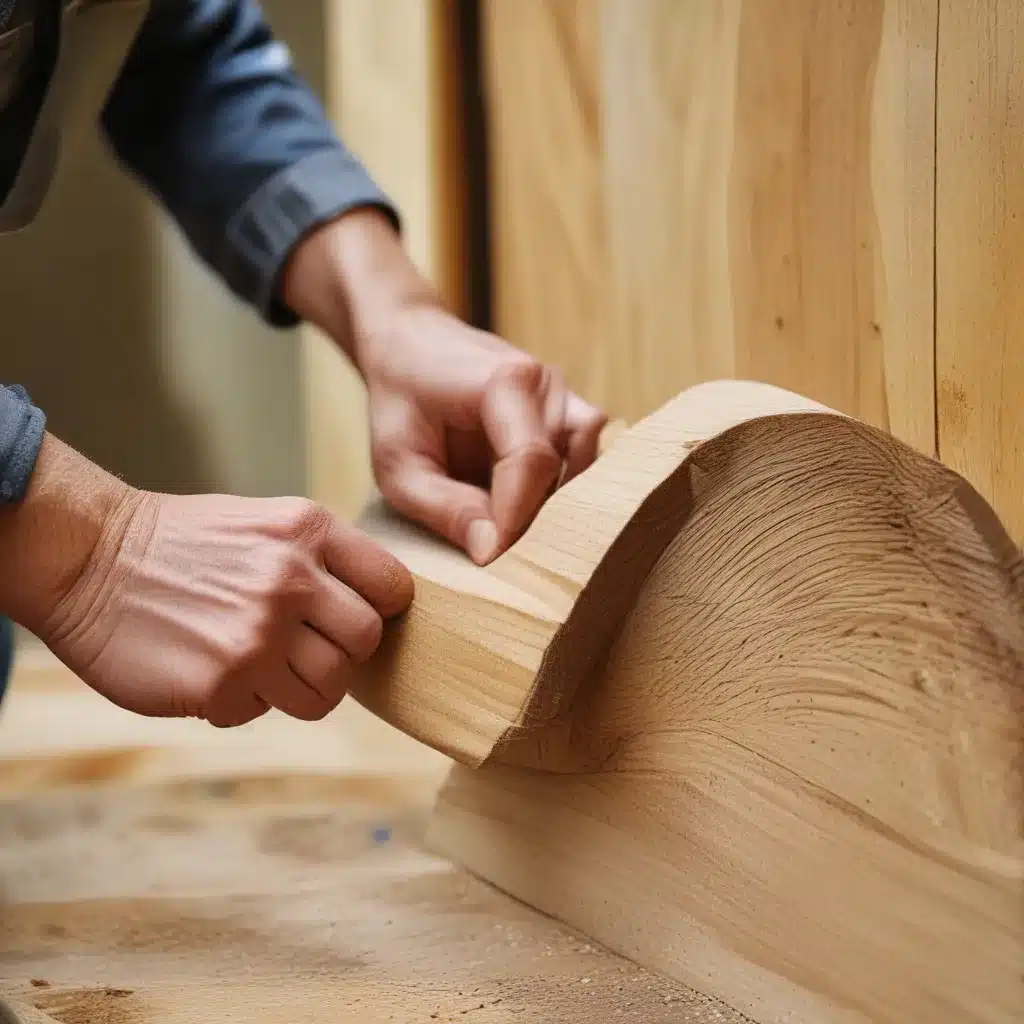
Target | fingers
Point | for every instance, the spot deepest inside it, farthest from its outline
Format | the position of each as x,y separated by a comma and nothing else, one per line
581,435
317,678
353,558
231,708
522,412
344,618
461,513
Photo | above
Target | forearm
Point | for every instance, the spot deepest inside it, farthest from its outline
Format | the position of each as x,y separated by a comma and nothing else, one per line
210,113
349,276
48,537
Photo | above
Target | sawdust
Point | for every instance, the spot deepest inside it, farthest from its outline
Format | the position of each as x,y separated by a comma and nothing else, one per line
276,900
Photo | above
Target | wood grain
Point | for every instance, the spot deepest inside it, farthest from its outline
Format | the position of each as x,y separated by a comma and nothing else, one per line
196,882
691,191
487,655
980,252
542,65
796,783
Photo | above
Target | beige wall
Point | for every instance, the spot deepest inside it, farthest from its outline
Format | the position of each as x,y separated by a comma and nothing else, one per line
137,353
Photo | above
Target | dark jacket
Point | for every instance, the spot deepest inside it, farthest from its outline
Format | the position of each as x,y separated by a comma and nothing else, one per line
209,113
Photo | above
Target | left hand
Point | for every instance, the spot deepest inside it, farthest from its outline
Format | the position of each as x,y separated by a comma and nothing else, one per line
469,434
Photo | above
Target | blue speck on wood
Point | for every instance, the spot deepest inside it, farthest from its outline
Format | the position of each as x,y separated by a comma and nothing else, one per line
381,835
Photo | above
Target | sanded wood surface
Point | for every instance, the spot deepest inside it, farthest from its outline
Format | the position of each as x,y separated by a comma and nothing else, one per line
796,782
486,656
176,874
980,249
729,188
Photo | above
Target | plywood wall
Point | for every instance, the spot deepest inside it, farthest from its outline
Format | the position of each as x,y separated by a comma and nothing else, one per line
683,191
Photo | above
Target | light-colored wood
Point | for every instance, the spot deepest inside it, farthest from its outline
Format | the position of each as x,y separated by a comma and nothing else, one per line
485,655
392,75
980,249
795,782
548,261
189,887
691,191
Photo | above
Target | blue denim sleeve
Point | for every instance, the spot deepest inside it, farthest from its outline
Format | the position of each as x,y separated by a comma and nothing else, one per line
22,426
210,114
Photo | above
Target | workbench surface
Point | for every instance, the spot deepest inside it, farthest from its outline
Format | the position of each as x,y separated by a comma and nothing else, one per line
167,872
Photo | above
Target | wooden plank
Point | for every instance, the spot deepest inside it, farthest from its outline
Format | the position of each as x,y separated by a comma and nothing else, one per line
794,782
542,63
486,656
980,253
828,301
690,191
669,108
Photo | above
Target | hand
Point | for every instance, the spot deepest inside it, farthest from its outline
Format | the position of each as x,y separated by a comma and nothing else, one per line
210,606
469,434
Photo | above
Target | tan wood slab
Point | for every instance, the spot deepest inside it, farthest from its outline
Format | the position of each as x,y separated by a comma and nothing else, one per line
779,759
796,780
486,655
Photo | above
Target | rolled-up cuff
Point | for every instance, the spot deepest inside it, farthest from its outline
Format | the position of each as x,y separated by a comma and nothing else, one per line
284,210
22,426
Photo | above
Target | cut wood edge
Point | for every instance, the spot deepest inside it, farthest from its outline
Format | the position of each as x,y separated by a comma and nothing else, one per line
485,652
634,841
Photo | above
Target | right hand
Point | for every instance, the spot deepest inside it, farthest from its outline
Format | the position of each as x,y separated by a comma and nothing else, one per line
221,607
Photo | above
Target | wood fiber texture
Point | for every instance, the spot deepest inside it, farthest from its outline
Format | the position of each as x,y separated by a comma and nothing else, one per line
689,191
796,782
487,655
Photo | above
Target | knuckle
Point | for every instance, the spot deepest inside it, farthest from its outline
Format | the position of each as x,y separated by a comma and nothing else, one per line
246,643
304,520
539,458
522,371
386,459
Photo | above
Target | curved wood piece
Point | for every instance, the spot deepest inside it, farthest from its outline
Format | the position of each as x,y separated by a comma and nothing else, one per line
486,655
794,779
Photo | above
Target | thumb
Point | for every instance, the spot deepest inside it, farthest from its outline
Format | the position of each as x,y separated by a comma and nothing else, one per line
421,489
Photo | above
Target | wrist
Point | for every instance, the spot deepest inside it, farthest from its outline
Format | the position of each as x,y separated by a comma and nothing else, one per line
352,278
49,537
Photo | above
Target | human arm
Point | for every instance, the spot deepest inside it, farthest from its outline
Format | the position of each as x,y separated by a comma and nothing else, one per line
469,434
206,606
211,115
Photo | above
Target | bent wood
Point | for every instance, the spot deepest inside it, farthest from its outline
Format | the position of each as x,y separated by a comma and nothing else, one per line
487,655
791,777
795,783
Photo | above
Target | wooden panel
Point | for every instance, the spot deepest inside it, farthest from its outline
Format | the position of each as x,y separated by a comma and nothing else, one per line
392,72
980,249
736,204
544,107
669,73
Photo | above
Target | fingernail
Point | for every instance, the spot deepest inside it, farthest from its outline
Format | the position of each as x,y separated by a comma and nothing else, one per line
482,541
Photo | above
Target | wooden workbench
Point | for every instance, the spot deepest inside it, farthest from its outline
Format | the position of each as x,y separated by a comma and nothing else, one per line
167,872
